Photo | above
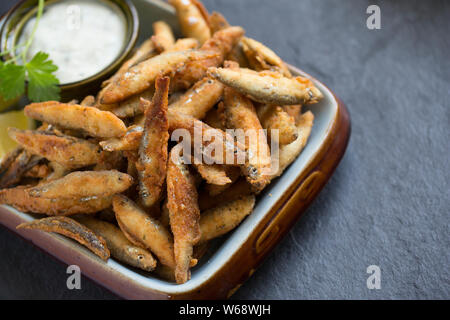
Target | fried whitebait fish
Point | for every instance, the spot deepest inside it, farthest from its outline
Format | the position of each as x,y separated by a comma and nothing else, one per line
69,151
20,199
241,114
163,38
19,164
268,87
84,184
143,75
39,171
121,248
182,202
129,142
276,118
71,229
232,174
8,159
214,118
220,44
97,123
110,161
262,58
58,171
214,174
193,19
145,51
294,111
132,107
217,22
88,101
142,229
198,100
222,219
152,163
290,152
238,189
232,151
184,44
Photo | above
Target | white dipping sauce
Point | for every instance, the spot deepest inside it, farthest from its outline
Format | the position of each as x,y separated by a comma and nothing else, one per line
82,37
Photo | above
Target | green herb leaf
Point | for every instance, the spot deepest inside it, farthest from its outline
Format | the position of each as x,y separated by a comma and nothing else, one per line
42,84
12,80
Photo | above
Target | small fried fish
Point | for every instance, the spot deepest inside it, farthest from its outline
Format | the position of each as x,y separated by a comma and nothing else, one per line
97,123
152,163
84,184
71,229
268,87
184,215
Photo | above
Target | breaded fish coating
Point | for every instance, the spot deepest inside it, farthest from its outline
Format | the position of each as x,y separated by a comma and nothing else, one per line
262,58
143,75
268,87
129,142
233,152
71,229
84,184
132,107
214,174
20,199
152,163
198,100
121,248
163,35
238,189
193,19
220,44
184,215
97,123
19,165
290,152
275,118
220,220
68,151
241,114
140,228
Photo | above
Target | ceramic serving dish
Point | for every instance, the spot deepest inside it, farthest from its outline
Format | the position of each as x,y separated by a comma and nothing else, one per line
233,259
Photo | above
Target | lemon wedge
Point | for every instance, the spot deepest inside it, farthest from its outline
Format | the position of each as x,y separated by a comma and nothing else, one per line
16,119
6,104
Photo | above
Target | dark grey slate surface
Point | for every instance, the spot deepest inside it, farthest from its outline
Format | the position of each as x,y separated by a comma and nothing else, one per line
388,202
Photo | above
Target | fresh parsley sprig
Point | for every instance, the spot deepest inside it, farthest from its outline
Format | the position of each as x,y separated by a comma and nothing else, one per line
42,83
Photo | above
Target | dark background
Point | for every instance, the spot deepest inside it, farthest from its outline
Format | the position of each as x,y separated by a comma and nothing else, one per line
388,202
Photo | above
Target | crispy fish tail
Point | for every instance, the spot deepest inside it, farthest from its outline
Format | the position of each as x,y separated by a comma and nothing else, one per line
72,229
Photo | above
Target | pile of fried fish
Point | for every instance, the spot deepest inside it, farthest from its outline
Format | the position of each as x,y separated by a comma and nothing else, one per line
108,162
